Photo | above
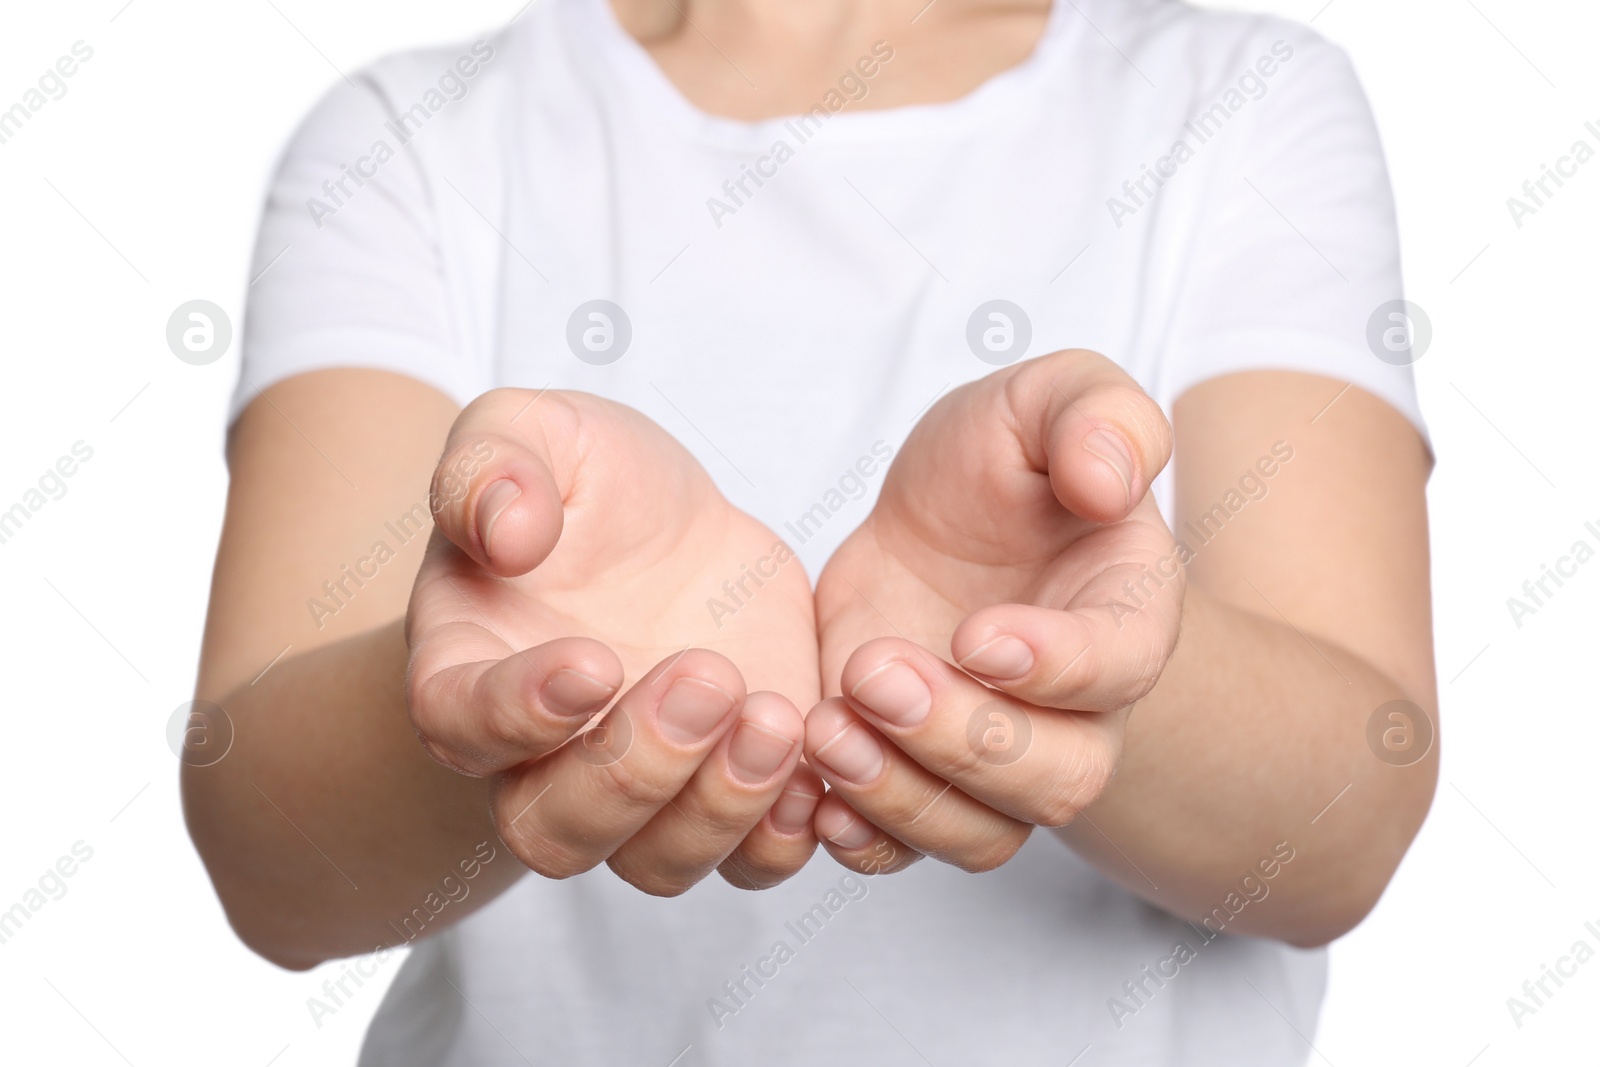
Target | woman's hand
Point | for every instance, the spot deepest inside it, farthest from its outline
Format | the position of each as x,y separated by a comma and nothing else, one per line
578,549
1014,534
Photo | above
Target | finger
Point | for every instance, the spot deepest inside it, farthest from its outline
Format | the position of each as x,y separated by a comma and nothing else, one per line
495,493
1105,650
1097,433
783,840
1100,658
899,797
486,716
857,844
1038,765
570,811
729,794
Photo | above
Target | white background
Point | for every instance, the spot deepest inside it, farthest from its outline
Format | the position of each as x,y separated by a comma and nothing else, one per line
139,190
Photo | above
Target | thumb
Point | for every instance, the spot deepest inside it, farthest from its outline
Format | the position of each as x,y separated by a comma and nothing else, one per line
1102,440
495,494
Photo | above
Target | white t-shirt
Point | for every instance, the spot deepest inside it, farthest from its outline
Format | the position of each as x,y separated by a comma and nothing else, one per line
1189,193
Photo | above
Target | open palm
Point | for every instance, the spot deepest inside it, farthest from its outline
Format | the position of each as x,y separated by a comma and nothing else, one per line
1014,537
642,540
578,546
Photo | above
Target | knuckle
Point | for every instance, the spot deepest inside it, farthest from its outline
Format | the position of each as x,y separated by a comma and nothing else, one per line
712,828
1057,809
536,848
1070,794
717,823
507,725
1142,684
955,762
635,789
1143,672
1082,673
1163,641
913,806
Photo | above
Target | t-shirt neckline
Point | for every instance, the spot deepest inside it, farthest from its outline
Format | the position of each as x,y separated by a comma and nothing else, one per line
640,77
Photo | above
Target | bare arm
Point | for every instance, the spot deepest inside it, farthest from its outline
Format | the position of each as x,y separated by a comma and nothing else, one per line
1305,611
326,822
1182,727
336,645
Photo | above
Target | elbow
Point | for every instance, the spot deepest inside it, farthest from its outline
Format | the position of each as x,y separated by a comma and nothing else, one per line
288,963
1320,931
1354,882
262,926
1344,885
1321,914
265,936
258,915
1360,874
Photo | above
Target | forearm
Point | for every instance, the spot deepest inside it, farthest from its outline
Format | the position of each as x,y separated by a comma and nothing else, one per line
1255,737
326,828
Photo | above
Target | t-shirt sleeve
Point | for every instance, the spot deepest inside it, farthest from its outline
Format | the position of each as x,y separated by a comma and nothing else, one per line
348,270
1297,248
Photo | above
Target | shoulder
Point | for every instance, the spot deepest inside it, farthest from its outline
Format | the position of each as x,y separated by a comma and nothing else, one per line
1199,38
454,86
1186,51
393,97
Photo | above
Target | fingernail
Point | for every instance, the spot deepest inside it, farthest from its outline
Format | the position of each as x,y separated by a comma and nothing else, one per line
792,813
756,753
853,834
1005,659
853,755
492,503
570,692
691,710
1110,448
896,693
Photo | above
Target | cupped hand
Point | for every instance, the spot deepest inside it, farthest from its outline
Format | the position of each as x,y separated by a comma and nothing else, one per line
576,551
1013,592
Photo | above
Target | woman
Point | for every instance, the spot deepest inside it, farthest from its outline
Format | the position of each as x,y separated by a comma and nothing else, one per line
697,300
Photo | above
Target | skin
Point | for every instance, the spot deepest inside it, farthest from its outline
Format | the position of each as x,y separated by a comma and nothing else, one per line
1001,544
376,746
754,59
532,554
328,822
